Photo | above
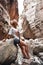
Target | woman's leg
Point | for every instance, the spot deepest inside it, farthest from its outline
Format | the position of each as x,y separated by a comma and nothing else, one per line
24,49
23,46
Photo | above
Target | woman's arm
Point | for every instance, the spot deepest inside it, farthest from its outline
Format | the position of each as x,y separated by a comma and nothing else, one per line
8,37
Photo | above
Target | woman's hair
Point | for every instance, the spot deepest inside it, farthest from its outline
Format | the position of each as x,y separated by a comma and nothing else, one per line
11,2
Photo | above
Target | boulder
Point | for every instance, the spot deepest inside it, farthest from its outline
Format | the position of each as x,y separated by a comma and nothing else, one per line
35,61
8,52
37,49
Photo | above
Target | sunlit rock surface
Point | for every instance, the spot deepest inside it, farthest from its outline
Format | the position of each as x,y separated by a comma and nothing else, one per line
36,52
32,27
8,52
33,11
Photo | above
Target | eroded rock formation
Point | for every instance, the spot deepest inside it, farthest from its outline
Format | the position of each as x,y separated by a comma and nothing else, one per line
33,25
8,11
33,11
8,52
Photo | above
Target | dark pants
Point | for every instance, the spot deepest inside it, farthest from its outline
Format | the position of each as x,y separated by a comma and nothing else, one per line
16,41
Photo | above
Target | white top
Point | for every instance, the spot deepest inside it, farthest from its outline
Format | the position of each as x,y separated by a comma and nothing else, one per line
12,31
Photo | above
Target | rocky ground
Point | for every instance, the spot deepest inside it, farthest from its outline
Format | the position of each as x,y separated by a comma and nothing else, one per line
36,51
9,53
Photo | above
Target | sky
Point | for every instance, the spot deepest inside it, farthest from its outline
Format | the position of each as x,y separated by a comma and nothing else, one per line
20,9
20,6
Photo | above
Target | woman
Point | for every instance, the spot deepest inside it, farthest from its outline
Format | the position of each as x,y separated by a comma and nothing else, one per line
13,32
14,18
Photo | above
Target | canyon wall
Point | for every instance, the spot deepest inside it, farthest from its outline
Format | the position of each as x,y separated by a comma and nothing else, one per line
33,11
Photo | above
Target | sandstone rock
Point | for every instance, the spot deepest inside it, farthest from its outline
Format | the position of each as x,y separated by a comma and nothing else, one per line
35,63
41,54
41,58
6,13
13,64
8,52
38,49
27,30
25,63
33,11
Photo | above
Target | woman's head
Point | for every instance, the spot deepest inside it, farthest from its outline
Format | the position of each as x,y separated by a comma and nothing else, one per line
14,23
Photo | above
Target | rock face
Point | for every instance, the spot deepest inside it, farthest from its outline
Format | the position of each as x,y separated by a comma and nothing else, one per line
27,30
8,52
8,11
33,11
36,51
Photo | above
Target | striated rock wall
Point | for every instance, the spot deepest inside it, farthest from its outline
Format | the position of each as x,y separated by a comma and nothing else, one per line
33,10
8,10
